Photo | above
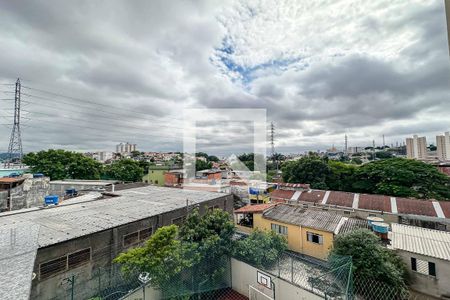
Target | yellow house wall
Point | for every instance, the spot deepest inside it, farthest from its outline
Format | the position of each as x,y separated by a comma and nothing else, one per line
297,238
317,250
293,236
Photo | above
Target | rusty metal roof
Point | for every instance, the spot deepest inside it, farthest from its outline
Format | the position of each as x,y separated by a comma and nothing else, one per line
254,208
282,194
312,196
415,207
341,198
375,202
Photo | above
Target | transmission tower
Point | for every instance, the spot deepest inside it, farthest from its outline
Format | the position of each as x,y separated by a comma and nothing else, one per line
15,142
272,143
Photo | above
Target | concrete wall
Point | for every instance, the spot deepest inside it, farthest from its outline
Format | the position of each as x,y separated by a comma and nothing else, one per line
30,193
60,188
438,286
243,275
105,246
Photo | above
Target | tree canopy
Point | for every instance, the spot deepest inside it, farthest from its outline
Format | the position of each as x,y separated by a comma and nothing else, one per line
261,249
403,178
370,259
61,164
310,169
125,170
394,176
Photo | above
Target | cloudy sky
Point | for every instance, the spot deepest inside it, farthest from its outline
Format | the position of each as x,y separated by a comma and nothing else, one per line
96,73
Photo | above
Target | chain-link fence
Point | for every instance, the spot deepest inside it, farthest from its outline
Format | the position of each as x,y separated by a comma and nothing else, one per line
370,289
331,279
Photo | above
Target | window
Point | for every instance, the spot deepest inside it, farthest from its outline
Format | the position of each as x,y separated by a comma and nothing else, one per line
280,229
314,238
52,267
305,205
130,239
144,234
423,267
78,258
346,212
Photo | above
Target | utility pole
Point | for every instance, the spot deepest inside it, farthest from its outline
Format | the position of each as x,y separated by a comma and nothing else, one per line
15,141
384,144
272,143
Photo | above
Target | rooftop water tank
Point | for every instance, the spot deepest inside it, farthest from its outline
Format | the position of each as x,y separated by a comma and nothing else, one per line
380,227
374,219
51,200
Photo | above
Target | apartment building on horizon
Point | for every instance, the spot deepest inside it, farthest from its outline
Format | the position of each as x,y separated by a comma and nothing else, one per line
416,147
125,148
443,146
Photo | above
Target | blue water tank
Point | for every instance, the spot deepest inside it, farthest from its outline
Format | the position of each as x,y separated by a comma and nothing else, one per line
71,192
374,219
380,227
14,175
38,175
51,200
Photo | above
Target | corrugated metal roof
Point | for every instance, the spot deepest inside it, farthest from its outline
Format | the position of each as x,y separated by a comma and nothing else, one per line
341,199
375,202
429,242
352,224
445,205
296,215
415,207
282,194
18,249
73,220
312,196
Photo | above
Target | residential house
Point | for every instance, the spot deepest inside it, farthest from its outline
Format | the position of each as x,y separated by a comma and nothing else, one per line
308,231
426,252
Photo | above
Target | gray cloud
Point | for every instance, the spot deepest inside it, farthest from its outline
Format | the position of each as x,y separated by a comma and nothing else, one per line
386,71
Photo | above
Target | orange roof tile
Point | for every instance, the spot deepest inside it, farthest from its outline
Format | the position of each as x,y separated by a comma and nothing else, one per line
254,208
283,194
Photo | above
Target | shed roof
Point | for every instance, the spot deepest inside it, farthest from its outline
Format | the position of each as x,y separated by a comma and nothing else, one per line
341,198
415,207
80,218
11,179
254,208
283,194
296,215
424,241
312,196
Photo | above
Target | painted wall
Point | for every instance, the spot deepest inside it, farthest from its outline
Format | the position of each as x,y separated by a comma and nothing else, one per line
320,251
438,286
297,239
244,275
155,177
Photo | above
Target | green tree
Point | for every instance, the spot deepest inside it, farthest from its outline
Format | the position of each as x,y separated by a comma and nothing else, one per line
310,169
164,256
371,260
61,164
213,158
383,154
356,161
341,176
212,231
403,178
202,165
261,249
125,170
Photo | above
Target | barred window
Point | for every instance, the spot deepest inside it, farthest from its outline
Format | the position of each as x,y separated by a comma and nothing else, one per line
130,239
52,267
423,267
144,234
314,238
80,257
280,229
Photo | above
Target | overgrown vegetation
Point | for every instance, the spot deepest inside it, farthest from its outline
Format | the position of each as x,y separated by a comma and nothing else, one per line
199,249
372,261
261,249
61,164
394,176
